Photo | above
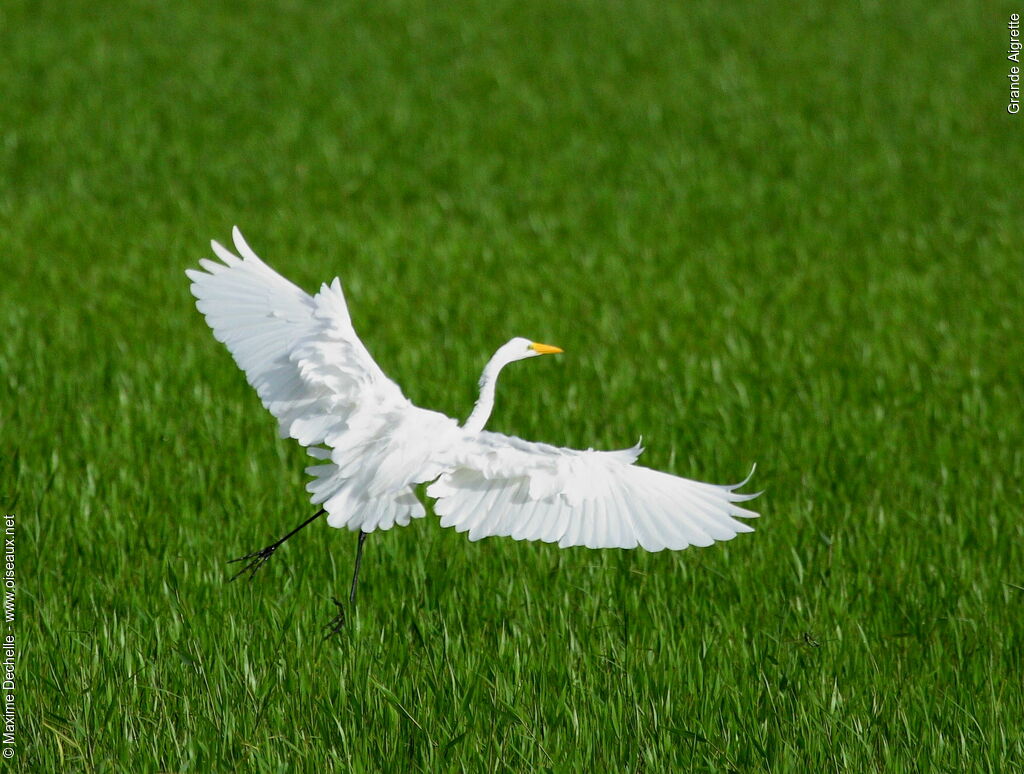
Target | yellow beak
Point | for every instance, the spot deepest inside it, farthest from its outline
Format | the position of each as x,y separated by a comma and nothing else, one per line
545,349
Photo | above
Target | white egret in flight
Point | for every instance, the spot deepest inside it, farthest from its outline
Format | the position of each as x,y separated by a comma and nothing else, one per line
374,446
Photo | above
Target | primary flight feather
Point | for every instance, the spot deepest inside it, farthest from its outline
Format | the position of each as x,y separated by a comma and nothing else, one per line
303,357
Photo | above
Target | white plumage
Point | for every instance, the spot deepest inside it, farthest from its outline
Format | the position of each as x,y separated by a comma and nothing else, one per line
374,446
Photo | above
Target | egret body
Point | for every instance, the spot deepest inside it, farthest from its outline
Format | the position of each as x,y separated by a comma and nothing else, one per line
373,446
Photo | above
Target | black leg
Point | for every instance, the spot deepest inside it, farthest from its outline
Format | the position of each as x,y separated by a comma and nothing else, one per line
258,558
338,622
355,575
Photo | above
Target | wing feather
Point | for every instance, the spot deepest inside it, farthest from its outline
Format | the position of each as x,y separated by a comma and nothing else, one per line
312,372
557,523
572,536
587,524
500,485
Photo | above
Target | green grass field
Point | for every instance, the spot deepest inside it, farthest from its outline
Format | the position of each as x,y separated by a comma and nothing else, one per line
790,237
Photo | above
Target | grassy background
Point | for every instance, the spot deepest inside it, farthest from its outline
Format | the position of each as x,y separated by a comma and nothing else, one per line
791,237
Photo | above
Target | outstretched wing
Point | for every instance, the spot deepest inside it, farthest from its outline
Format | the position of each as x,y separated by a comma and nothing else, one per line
312,372
500,485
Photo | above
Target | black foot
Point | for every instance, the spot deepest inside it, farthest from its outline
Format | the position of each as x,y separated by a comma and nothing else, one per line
255,560
338,622
259,558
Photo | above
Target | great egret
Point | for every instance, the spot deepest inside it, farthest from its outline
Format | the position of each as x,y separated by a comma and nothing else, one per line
374,446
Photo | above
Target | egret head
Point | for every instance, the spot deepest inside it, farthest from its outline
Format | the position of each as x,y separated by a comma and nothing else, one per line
520,349
509,352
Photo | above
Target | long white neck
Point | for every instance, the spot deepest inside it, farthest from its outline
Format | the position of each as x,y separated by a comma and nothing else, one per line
485,403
